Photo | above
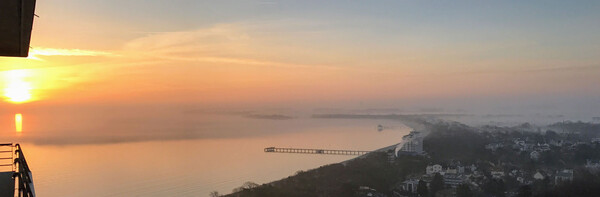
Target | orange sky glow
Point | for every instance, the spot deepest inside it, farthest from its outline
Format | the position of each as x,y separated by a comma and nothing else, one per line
78,58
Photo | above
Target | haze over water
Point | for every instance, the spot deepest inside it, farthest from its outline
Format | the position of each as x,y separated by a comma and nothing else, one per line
186,163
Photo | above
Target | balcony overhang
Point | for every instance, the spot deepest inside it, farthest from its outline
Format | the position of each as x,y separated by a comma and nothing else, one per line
16,22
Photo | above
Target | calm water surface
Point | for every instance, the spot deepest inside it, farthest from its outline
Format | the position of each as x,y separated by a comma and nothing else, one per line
197,166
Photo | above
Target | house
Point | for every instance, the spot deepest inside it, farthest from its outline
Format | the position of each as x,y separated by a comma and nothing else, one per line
519,142
453,180
472,168
410,185
521,145
563,176
526,147
461,169
521,180
451,170
497,174
542,147
535,155
592,166
494,146
556,143
391,156
539,176
432,169
515,173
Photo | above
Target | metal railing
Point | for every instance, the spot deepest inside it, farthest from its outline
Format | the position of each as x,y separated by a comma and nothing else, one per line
315,151
6,156
21,172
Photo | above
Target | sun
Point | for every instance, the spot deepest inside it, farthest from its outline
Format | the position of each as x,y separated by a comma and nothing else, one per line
17,90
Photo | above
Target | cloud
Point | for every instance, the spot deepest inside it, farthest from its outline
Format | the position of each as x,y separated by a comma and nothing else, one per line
34,53
206,40
224,43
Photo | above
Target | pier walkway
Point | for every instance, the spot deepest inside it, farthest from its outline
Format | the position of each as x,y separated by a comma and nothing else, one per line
314,151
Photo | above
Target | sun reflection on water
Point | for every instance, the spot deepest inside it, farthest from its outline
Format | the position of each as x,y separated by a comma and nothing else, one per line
18,123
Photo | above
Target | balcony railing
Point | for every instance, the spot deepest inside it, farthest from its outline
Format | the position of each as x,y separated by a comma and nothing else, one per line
12,160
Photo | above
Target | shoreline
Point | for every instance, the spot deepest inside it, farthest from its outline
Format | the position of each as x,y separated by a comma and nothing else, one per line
412,124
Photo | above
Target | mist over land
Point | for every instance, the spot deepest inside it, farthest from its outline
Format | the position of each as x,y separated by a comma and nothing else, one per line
111,123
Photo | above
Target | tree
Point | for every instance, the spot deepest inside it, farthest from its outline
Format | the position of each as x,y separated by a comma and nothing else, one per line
348,189
495,187
437,183
540,186
422,189
214,194
525,191
246,186
552,135
463,190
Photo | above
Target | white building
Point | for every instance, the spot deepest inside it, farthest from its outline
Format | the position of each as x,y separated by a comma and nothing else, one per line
521,180
432,169
411,144
497,174
519,142
451,170
592,166
461,169
453,180
563,176
542,147
410,185
539,176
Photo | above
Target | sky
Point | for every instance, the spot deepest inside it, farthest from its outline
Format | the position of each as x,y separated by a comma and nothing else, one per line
309,54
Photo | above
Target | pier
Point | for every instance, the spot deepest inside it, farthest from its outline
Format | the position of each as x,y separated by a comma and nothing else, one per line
314,151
